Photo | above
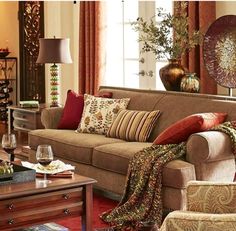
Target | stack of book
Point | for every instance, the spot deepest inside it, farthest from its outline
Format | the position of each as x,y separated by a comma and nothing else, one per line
29,104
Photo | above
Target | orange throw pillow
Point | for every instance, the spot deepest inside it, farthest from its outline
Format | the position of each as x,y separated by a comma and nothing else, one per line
182,129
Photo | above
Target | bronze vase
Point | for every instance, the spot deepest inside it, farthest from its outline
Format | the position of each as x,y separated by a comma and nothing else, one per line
171,75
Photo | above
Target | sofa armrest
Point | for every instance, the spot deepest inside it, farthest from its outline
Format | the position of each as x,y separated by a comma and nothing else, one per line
194,221
50,117
211,197
208,146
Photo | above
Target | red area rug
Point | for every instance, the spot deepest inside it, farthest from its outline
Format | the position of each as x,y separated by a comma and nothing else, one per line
100,205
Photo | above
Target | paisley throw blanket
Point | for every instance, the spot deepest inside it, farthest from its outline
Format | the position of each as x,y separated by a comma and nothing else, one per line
141,201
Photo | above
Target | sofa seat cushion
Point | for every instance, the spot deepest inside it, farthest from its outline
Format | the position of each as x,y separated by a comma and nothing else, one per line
69,144
115,157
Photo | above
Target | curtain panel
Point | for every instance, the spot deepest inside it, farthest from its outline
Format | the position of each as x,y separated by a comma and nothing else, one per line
91,40
201,15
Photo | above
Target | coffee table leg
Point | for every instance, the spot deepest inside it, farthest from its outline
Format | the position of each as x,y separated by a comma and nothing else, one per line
87,217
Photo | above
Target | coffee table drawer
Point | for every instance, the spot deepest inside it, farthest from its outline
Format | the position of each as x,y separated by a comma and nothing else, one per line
17,219
43,200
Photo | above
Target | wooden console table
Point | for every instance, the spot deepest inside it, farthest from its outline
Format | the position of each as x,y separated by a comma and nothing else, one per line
30,203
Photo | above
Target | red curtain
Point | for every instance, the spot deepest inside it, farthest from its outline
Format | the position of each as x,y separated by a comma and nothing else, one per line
90,46
201,14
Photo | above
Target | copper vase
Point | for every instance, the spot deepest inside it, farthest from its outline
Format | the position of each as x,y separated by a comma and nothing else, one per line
171,75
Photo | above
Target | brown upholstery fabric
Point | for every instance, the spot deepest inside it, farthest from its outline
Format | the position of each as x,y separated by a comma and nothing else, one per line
68,144
222,170
177,173
115,157
173,198
208,146
50,117
173,105
89,152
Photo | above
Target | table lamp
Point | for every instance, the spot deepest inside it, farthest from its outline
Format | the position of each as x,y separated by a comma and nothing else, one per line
54,50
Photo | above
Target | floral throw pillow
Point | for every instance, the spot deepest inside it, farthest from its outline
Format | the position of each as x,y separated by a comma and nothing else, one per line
99,113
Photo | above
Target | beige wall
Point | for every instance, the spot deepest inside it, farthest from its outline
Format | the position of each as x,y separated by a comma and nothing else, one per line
9,30
9,27
225,8
61,20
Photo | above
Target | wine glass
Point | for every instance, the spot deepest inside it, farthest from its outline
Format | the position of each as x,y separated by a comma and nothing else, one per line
9,144
44,156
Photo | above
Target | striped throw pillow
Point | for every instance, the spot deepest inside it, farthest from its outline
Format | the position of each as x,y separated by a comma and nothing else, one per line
133,125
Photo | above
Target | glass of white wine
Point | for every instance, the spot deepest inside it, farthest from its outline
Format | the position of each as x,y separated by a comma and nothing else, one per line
44,156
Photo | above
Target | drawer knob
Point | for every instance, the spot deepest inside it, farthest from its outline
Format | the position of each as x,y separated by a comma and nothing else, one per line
66,211
11,222
10,206
65,196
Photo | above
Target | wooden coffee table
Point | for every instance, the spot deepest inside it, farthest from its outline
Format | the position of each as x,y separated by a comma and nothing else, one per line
26,204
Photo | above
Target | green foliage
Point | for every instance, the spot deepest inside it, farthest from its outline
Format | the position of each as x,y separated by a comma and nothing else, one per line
170,38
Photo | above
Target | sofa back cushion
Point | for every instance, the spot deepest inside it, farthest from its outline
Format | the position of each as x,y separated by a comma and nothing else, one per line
173,106
133,125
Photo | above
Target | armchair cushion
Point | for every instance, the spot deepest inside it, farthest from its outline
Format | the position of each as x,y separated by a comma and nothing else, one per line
195,221
210,206
211,197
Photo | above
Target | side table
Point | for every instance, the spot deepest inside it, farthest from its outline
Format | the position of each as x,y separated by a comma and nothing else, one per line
24,119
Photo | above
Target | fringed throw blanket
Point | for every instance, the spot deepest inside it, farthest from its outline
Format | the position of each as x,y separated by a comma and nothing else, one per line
142,198
141,201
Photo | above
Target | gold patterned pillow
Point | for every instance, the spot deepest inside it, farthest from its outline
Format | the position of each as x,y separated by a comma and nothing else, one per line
133,125
99,113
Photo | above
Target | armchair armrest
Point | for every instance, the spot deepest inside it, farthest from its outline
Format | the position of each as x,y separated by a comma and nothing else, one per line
208,146
194,221
50,117
211,197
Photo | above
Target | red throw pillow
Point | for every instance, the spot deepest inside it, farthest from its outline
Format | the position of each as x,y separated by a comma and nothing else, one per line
182,129
72,111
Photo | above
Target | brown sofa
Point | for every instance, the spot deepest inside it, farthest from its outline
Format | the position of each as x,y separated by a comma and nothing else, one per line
209,156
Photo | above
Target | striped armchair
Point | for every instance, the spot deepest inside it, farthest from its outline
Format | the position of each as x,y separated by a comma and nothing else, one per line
210,206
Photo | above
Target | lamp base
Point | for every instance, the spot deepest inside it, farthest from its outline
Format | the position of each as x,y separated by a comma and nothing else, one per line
54,82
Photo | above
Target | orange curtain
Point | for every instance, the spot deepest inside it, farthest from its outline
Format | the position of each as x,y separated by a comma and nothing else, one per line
90,46
201,14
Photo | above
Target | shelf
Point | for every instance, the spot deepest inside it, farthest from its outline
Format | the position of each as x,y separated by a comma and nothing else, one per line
2,79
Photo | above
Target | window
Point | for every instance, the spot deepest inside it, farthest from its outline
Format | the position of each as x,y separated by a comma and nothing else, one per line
125,65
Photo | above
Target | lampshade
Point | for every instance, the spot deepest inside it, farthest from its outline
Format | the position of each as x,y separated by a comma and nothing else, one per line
54,50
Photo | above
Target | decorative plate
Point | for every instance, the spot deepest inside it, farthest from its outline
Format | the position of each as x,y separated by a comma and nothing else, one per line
54,167
219,51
